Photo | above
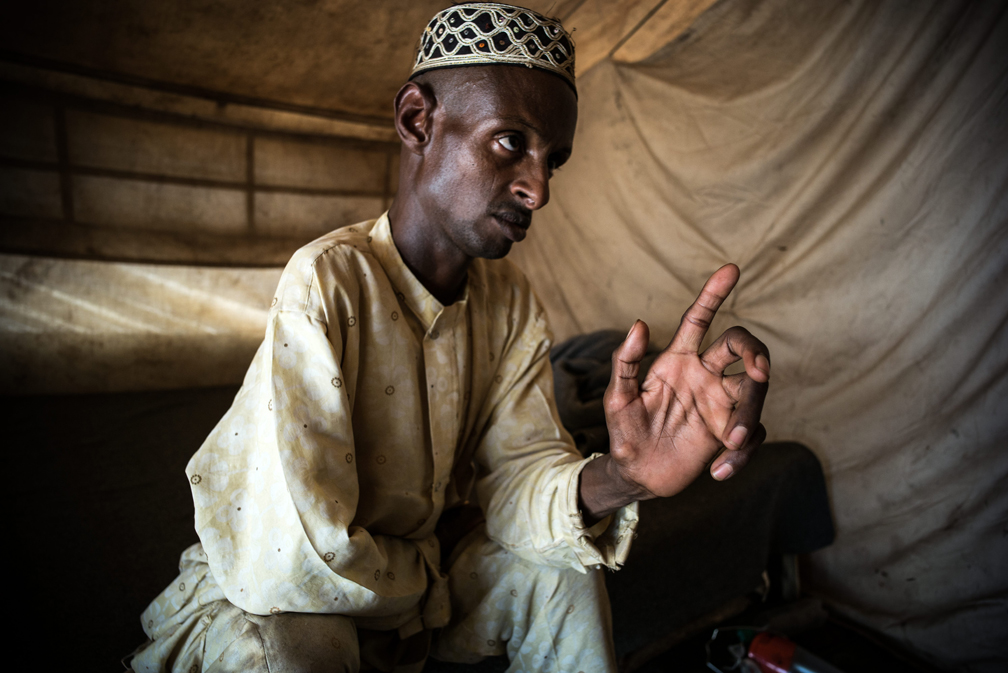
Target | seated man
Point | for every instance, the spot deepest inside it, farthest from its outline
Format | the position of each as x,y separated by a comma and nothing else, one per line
405,373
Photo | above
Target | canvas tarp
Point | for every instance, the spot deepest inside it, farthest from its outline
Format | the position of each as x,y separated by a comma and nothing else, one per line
851,157
79,326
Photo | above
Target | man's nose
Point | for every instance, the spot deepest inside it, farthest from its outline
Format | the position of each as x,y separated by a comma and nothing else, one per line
532,185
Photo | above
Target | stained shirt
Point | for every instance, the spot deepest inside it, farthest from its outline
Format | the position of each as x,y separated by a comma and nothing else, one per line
368,410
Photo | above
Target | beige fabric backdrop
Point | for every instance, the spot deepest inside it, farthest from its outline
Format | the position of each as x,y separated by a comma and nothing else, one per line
76,326
852,158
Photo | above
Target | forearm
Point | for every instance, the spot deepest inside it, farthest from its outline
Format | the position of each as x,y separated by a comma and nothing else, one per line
603,490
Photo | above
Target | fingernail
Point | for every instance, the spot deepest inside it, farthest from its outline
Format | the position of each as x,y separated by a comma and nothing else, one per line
737,436
631,328
763,364
723,472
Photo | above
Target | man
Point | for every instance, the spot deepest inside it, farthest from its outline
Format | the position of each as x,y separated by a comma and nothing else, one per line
404,374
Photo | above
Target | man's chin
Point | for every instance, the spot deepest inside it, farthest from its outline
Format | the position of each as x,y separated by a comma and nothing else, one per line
487,240
495,249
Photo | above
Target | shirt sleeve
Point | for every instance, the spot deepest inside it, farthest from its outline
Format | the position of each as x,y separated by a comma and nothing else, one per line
529,469
276,490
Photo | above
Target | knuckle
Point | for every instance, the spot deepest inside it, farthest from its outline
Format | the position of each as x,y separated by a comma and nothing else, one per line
742,457
743,337
691,318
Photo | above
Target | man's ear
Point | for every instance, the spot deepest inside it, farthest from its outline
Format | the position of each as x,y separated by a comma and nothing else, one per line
414,105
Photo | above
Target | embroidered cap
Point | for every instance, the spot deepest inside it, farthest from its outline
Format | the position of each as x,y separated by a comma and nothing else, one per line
489,33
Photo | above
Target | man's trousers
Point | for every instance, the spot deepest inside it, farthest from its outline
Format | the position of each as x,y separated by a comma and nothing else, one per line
543,618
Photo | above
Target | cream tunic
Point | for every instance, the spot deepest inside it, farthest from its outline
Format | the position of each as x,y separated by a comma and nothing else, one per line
369,409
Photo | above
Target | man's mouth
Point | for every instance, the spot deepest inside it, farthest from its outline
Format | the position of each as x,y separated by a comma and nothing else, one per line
514,223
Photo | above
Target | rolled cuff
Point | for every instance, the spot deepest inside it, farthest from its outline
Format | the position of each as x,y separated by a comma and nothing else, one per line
610,547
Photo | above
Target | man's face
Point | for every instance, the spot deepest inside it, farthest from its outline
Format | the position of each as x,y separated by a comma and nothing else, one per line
498,134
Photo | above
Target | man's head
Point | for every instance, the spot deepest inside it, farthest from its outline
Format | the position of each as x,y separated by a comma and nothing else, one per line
481,140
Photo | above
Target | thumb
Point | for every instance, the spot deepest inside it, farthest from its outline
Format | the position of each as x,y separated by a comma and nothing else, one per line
626,359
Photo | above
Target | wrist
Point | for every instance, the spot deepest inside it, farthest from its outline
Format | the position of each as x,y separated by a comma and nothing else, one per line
625,489
603,489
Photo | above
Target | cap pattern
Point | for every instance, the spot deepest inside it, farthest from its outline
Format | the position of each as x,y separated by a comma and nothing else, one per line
486,33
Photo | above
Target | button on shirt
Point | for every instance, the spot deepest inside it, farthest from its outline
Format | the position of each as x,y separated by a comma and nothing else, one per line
370,408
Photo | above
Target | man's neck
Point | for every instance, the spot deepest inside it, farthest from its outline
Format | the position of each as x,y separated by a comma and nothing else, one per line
435,261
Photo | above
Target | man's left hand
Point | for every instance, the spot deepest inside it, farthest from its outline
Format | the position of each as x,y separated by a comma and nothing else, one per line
664,433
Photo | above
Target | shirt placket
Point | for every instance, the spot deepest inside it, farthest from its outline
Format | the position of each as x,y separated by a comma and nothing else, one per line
444,396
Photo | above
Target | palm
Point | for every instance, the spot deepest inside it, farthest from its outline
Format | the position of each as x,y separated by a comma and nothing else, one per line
670,432
664,433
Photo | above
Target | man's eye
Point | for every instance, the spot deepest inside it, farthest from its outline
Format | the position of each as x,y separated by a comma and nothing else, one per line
510,143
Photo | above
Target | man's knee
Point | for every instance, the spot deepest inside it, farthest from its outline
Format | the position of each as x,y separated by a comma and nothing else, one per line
299,643
284,643
484,568
570,596
501,602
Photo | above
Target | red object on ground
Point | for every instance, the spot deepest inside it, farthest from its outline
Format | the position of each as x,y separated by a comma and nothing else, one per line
773,654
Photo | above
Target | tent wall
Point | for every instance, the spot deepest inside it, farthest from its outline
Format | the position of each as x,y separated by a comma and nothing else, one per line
129,182
91,178
852,158
77,326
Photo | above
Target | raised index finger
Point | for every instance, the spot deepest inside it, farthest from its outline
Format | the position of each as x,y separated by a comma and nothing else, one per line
697,318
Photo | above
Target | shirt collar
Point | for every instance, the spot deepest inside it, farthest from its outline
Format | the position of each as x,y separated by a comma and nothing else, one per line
409,290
